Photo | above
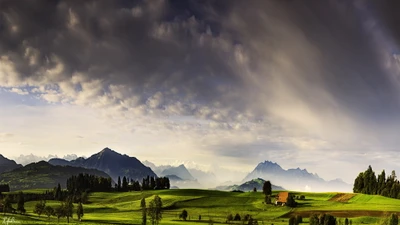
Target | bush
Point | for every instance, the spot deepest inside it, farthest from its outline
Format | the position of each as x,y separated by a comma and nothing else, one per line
299,219
394,219
183,215
292,220
229,217
237,217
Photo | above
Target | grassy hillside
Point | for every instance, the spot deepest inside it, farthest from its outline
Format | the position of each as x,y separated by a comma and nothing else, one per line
43,175
123,208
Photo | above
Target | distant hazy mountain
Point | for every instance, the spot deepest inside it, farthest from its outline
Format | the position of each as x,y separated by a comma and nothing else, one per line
174,178
179,176
43,175
26,159
295,179
151,165
249,186
7,164
111,162
179,171
207,179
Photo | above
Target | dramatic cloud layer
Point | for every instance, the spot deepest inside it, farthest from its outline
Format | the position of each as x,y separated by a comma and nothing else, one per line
232,83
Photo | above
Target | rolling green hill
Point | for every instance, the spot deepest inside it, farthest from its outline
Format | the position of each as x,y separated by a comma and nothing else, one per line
124,208
43,175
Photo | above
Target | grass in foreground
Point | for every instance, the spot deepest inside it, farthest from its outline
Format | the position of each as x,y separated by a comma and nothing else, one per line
124,208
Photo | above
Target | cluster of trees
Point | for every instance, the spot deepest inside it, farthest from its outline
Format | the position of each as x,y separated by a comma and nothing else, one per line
46,195
295,220
367,183
346,222
322,219
151,183
237,217
148,183
7,204
154,210
65,209
88,182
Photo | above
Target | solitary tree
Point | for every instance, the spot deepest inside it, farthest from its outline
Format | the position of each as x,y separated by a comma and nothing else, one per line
394,219
60,211
292,220
119,184
314,219
237,217
68,208
84,197
79,211
183,215
39,207
346,221
290,201
267,188
155,210
144,213
299,219
7,206
329,220
58,193
21,203
229,217
48,211
124,184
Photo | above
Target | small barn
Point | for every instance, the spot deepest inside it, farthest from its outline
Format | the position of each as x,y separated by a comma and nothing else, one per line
281,198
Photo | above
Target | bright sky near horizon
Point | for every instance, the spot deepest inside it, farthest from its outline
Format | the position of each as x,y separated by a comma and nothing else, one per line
216,83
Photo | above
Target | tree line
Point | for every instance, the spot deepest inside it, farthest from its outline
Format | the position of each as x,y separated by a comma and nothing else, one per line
368,183
89,183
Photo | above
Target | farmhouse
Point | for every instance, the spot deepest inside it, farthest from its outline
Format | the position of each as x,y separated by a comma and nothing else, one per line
281,198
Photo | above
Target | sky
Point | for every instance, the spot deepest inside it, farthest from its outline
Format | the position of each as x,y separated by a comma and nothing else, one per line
220,85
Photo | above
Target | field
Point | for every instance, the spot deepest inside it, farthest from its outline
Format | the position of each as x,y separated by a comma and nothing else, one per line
124,208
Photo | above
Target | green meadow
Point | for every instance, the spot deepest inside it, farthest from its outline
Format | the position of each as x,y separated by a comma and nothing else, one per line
124,208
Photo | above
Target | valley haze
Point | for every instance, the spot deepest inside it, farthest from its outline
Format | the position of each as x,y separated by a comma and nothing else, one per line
116,165
209,93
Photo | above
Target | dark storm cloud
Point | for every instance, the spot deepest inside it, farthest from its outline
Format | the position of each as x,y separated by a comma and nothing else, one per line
150,46
314,66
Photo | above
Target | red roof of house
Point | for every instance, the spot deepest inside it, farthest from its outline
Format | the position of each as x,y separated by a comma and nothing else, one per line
282,197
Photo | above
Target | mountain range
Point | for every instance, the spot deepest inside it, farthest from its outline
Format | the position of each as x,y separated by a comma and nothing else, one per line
43,175
179,175
7,164
112,163
295,179
115,164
